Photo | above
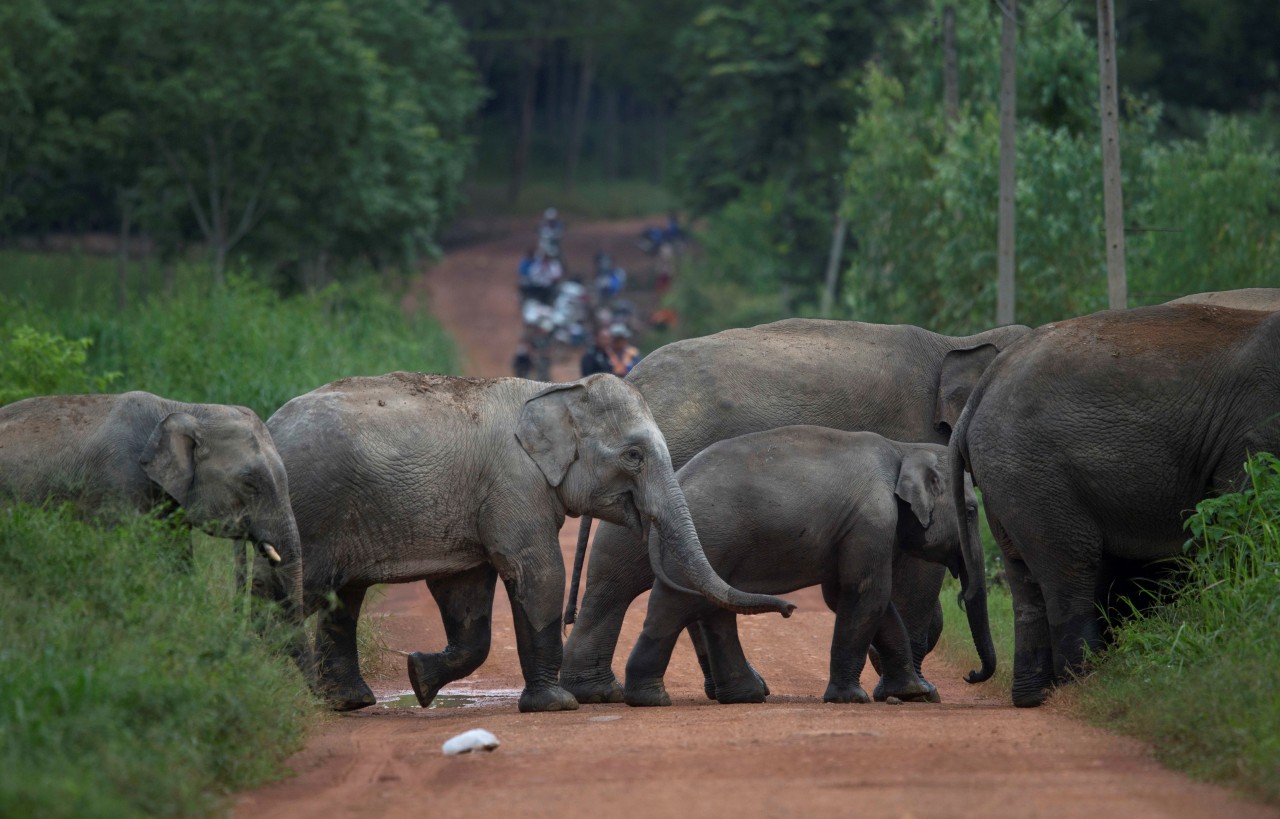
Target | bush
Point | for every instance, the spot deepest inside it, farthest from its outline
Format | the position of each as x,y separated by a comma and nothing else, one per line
245,344
131,687
37,363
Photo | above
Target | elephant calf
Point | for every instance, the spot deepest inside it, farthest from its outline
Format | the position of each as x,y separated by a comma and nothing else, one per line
799,506
140,451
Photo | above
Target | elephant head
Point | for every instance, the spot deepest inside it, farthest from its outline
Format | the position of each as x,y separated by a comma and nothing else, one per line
222,468
598,446
950,523
961,369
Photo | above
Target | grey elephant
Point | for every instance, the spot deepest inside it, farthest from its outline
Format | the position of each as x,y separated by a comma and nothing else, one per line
1092,438
461,481
903,382
800,506
1266,299
141,451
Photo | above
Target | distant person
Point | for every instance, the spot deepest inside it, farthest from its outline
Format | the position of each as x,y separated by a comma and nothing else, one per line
525,273
522,364
609,277
596,358
622,355
550,232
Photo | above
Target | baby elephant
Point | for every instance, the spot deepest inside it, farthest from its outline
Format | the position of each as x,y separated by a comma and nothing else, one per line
800,506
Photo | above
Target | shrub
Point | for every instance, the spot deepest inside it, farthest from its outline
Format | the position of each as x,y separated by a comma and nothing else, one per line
37,363
131,687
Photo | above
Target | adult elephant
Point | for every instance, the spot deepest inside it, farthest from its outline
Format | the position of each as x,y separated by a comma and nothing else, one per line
1266,299
1091,439
903,382
141,451
459,481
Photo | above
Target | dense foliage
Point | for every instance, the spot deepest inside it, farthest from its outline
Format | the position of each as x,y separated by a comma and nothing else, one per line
132,686
305,133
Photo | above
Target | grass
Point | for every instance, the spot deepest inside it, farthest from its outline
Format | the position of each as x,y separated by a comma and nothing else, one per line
131,687
1194,677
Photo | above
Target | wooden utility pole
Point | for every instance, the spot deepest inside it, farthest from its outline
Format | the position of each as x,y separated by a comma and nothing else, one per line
1008,118
1112,193
838,231
950,71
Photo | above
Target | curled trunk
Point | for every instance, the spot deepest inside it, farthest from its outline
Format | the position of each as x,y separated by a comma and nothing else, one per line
675,533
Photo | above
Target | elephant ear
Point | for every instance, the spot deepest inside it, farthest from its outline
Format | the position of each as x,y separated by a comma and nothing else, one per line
920,484
961,370
547,430
169,456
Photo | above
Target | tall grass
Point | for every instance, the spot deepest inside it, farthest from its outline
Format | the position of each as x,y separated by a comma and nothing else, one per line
131,686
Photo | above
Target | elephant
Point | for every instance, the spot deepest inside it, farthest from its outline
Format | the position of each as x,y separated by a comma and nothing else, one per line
903,382
460,481
1266,299
140,451
800,506
1091,439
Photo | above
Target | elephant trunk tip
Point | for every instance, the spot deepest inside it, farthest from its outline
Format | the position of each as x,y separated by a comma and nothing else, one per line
975,676
783,607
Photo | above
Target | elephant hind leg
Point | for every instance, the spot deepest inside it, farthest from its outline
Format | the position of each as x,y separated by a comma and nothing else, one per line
340,682
466,609
735,680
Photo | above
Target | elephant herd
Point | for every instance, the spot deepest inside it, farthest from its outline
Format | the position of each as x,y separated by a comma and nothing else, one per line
724,470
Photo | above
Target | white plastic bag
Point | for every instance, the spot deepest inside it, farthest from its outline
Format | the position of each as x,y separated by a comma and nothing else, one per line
477,739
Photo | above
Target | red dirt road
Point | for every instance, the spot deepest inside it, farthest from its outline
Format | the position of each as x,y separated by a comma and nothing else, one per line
973,755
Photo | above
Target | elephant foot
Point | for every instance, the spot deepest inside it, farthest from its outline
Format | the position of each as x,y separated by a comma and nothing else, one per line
646,695
1029,698
920,690
349,697
427,676
844,694
594,692
709,687
550,698
748,694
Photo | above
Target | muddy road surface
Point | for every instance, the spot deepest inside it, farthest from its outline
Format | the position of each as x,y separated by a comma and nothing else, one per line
794,756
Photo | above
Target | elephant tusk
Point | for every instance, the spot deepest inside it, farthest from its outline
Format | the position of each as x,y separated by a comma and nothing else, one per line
270,553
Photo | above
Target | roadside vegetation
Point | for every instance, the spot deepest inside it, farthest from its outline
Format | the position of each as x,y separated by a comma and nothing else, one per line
133,684
1193,676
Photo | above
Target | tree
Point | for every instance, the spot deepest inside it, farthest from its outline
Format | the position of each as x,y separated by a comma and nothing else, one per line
1005,293
1112,194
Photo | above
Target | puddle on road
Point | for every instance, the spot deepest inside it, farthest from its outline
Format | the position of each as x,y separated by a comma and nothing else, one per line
461,698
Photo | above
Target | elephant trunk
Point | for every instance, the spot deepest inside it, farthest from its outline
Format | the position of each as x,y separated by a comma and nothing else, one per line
675,529
286,587
973,575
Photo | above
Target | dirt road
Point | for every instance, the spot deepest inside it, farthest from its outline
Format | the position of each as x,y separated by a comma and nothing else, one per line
973,755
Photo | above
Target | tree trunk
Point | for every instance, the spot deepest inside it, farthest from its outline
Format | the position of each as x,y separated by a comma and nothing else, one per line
950,70
833,260
660,144
122,253
528,99
1005,293
1112,192
585,79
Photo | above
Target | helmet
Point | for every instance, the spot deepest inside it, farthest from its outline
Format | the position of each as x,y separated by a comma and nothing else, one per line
550,213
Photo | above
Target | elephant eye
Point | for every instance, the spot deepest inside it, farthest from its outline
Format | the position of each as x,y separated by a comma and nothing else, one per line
972,510
633,456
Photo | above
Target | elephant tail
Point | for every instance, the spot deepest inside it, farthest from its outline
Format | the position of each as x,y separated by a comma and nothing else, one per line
579,557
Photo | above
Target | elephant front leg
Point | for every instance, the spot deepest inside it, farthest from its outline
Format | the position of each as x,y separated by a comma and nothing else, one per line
898,675
536,589
618,573
701,638
340,682
466,609
667,616
735,679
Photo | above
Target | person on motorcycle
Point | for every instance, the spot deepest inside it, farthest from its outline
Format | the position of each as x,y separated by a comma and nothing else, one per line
550,232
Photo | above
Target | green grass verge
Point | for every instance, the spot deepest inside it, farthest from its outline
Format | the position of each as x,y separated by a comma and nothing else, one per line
1194,677
131,687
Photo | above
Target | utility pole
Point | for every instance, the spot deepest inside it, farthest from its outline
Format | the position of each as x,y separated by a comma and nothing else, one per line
1112,193
1008,119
